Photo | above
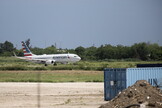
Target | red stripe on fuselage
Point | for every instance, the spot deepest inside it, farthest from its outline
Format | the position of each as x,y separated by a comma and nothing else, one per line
27,54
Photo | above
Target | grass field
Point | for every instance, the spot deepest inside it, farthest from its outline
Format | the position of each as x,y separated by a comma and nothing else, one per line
51,76
16,70
12,63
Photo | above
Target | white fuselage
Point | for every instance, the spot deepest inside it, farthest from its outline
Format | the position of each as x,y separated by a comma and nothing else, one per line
58,58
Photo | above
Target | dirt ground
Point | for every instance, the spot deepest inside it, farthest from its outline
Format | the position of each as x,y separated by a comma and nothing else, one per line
51,95
141,94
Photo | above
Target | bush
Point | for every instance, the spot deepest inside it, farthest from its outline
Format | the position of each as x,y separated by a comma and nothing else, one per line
16,67
40,68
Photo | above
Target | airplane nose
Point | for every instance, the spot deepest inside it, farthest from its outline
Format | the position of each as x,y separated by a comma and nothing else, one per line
79,58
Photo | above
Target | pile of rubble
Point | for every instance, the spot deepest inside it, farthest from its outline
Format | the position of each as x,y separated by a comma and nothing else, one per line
139,95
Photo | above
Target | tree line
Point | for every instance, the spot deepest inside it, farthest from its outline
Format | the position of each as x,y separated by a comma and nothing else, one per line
139,51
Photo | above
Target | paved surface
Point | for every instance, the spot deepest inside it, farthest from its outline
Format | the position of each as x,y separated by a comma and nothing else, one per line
51,95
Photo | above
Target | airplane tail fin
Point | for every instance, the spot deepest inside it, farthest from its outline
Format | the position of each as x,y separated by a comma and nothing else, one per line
26,50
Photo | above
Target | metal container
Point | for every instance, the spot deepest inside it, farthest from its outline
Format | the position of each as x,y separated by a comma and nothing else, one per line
148,65
117,79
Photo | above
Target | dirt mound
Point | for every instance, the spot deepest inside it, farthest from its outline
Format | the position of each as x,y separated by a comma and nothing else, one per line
141,94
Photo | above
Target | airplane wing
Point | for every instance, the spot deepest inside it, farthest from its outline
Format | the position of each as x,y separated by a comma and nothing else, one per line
42,61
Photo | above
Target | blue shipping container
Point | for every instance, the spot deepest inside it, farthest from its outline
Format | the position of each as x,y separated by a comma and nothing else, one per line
117,79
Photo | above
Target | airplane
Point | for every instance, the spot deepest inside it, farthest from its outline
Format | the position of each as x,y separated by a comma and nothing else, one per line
48,58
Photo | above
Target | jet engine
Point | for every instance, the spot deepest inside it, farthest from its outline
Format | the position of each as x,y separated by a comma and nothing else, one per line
50,62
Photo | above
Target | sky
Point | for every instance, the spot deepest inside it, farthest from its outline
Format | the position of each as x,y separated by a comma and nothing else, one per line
73,23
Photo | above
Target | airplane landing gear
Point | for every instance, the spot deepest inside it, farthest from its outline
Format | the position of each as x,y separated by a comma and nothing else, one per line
55,64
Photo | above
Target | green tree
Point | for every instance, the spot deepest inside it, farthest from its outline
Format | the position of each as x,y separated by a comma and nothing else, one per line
155,52
37,50
1,48
50,50
80,51
140,51
90,53
7,46
122,52
71,51
105,52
